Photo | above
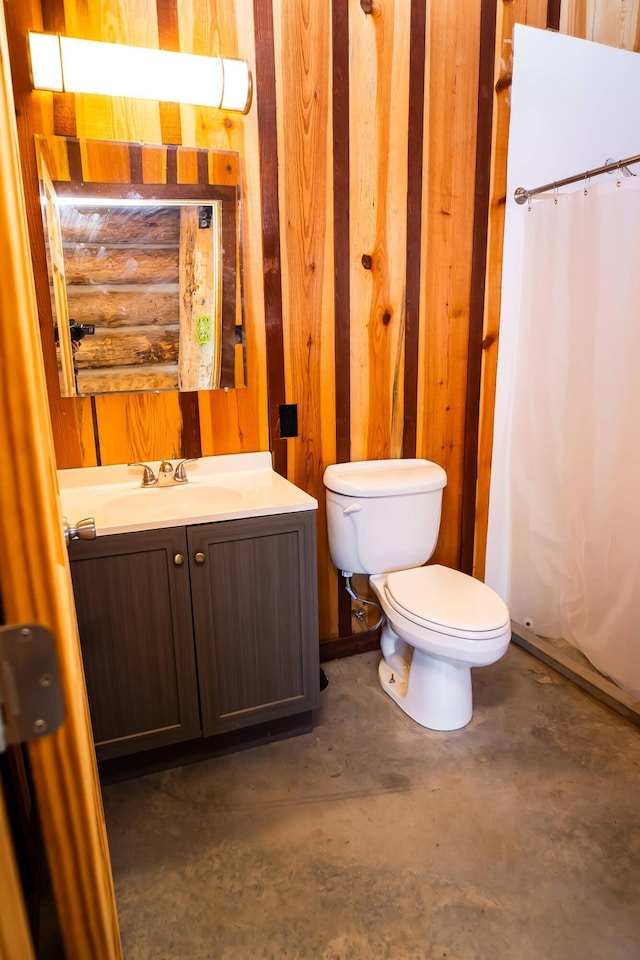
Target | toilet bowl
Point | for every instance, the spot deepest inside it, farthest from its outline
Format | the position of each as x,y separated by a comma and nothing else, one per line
383,519
439,624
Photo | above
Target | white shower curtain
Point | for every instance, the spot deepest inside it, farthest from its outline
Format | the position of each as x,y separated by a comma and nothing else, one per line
564,528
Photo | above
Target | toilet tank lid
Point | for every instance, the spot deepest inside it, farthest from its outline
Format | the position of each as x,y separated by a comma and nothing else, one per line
378,478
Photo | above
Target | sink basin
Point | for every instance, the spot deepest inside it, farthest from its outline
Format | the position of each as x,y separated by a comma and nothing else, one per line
225,487
167,501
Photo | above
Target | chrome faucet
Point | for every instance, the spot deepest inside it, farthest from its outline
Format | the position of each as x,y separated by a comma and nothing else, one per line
180,474
167,474
149,478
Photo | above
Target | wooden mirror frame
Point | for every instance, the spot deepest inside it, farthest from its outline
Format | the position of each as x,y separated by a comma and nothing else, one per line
100,169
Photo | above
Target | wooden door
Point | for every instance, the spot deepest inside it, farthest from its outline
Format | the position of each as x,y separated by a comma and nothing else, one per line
15,937
55,254
35,586
133,603
255,613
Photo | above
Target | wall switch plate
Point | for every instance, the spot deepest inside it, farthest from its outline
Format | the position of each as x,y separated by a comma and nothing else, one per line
288,416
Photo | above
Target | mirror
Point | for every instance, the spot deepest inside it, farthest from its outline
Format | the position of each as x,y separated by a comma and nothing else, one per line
144,261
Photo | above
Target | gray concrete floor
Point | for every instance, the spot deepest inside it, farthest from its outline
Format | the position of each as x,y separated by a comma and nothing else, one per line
513,839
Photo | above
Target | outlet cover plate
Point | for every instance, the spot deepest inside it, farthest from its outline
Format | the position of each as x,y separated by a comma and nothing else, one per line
288,416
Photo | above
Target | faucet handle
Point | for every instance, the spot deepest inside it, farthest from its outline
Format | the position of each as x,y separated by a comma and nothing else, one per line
180,474
149,478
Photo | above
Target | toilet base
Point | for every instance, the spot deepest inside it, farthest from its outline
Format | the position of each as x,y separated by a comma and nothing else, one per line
435,693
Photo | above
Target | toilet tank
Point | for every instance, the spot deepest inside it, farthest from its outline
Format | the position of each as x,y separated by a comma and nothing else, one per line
383,515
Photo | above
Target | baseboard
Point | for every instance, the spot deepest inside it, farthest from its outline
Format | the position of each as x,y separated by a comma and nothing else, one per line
339,647
204,748
583,675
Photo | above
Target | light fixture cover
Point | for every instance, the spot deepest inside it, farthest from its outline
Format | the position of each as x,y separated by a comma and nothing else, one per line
45,61
116,70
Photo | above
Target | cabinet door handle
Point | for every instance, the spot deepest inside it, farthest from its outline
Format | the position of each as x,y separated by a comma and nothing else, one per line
199,557
178,559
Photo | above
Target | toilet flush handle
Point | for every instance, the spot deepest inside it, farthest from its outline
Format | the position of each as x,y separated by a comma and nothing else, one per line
352,508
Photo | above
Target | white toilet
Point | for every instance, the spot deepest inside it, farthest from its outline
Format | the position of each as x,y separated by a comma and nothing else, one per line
383,518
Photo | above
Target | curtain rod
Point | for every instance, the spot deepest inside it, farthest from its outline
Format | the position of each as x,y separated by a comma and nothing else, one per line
521,195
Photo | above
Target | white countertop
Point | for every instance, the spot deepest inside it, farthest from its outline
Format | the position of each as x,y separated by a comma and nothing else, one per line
229,487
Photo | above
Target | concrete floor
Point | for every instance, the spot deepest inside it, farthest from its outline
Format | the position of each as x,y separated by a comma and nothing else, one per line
514,839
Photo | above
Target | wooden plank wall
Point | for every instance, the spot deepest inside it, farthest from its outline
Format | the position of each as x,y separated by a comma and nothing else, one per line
614,22
148,426
533,13
370,170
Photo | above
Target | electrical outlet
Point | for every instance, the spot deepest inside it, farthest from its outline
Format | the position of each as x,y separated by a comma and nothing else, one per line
288,416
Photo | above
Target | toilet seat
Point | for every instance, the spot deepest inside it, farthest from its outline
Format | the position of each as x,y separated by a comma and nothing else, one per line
447,602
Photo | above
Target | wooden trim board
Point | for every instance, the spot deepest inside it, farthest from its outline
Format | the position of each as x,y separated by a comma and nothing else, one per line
584,675
267,124
15,937
35,583
348,646
478,283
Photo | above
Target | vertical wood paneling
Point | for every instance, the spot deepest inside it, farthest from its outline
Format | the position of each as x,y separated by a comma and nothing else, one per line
97,165
357,232
553,14
117,21
533,14
118,118
341,111
341,182
59,155
614,22
478,282
414,223
448,210
379,82
169,39
71,418
135,427
265,82
232,421
187,168
573,18
302,34
237,419
154,164
378,136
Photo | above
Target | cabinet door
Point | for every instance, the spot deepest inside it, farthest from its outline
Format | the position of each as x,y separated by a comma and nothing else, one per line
134,613
255,609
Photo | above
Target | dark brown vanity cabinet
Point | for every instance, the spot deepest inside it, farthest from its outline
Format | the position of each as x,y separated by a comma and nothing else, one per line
133,603
255,613
194,631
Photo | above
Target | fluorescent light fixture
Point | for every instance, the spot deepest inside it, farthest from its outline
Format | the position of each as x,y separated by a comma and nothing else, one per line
69,65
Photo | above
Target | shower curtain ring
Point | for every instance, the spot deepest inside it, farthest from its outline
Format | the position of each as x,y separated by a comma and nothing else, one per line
618,176
555,194
587,181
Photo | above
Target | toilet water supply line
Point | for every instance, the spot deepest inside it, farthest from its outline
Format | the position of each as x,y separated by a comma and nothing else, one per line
370,603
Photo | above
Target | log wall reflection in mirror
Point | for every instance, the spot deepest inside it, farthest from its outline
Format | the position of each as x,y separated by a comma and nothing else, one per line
145,266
